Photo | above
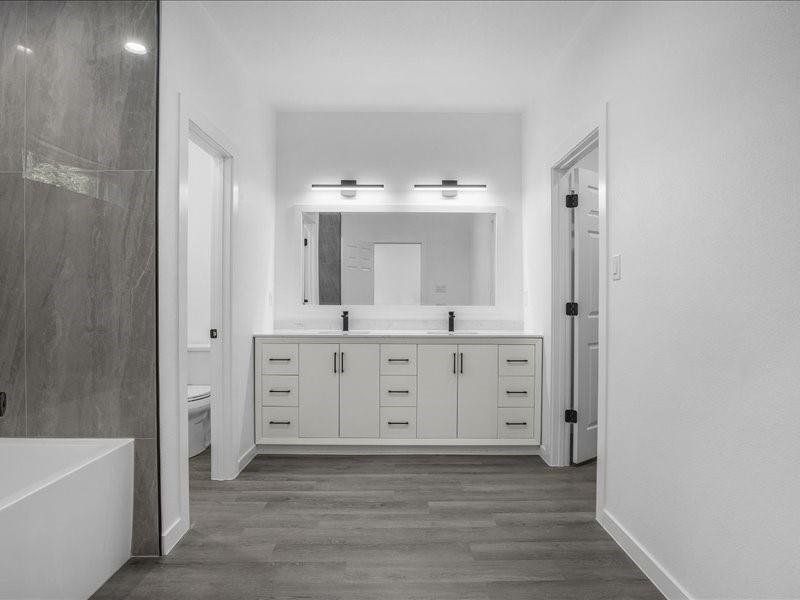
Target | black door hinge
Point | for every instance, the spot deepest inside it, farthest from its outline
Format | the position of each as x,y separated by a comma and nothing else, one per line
572,200
571,415
305,241
572,309
213,334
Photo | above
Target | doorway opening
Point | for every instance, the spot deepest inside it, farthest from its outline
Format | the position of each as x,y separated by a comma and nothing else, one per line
576,238
205,178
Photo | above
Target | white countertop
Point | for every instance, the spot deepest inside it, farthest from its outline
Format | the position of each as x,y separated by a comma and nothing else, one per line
391,333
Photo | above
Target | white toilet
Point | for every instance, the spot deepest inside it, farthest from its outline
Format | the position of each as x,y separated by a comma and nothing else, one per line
198,398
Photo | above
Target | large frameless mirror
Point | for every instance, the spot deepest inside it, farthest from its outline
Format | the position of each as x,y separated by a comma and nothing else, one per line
398,258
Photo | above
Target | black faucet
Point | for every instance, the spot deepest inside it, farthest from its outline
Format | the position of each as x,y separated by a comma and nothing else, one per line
345,321
451,321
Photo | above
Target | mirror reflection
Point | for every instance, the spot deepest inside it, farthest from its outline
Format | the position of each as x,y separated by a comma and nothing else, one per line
399,258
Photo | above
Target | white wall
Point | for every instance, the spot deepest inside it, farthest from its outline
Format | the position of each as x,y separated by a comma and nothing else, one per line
704,338
196,63
399,150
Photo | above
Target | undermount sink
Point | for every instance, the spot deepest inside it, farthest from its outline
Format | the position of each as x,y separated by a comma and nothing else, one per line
451,332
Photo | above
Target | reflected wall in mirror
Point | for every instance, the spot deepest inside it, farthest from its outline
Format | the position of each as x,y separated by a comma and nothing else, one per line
399,258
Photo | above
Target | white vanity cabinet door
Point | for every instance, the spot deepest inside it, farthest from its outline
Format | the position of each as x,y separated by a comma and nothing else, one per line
359,378
477,392
437,391
318,397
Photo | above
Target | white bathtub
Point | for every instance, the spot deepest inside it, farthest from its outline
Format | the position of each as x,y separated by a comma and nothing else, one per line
66,510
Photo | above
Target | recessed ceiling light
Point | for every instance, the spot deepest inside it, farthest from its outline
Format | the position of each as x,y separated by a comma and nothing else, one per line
135,47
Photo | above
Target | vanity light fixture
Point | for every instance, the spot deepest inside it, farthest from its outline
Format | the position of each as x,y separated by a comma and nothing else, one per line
135,47
451,187
24,49
348,187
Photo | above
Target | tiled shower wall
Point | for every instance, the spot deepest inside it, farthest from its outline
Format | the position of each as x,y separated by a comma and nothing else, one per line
77,230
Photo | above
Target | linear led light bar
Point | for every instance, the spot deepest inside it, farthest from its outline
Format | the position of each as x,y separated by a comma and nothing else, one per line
348,187
451,187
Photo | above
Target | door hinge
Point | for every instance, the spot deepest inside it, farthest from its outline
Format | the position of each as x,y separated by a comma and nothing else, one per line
305,241
213,334
572,200
572,309
571,415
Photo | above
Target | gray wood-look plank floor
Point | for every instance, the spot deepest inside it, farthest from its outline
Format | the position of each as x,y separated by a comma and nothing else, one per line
384,527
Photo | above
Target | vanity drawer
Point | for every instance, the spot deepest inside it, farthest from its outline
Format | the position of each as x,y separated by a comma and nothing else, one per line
279,390
279,422
398,422
516,360
515,423
279,359
398,359
515,391
398,390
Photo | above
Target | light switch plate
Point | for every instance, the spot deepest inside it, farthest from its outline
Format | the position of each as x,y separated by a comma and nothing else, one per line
616,267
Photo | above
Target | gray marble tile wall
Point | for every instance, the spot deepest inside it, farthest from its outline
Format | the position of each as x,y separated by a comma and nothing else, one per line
77,233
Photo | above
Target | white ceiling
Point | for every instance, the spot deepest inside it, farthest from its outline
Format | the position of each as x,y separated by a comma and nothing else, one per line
398,55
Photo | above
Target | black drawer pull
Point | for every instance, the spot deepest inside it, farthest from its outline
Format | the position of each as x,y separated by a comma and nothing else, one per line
523,392
403,360
516,423
397,422
279,359
516,360
280,391
397,391
280,422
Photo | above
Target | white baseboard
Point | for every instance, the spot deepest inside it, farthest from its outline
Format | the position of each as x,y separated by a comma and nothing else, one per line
173,534
654,571
340,449
245,459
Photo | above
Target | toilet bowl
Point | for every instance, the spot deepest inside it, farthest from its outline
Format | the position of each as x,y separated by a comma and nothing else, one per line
198,399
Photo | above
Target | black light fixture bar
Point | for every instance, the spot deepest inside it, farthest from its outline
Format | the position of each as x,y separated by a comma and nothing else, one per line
347,184
449,184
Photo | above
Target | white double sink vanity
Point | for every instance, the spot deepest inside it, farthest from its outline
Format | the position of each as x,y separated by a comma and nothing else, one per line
392,388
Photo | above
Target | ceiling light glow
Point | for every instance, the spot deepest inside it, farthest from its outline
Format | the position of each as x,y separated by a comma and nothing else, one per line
135,47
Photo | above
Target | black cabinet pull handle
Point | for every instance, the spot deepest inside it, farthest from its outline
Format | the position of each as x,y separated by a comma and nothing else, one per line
342,362
397,391
279,359
334,362
462,362
397,422
523,392
516,423
280,391
403,360
516,360
454,362
280,422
